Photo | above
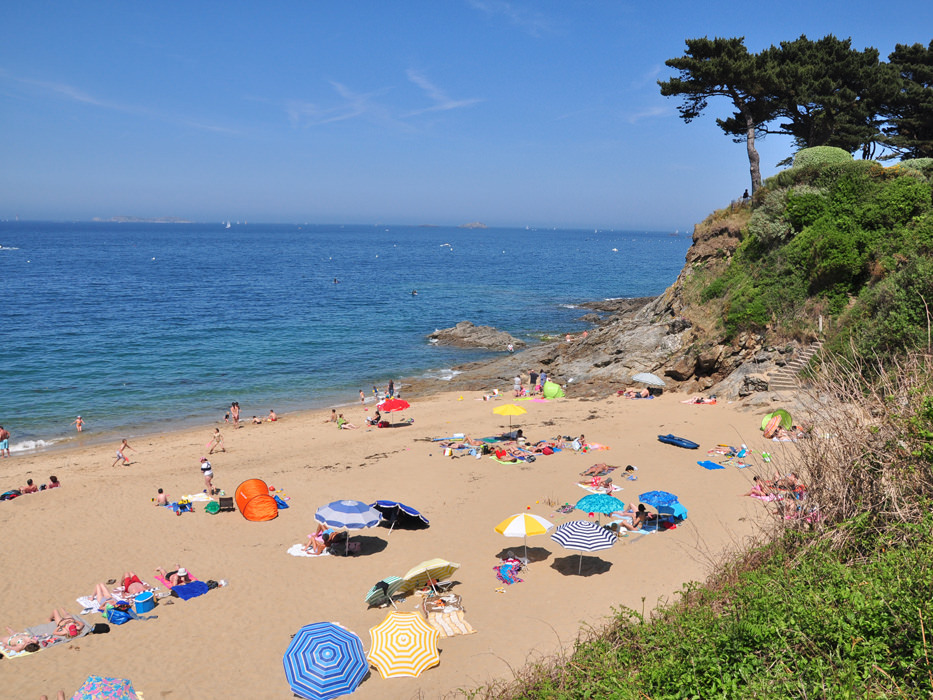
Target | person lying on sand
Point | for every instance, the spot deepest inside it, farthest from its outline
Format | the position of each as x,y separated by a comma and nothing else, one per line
318,541
258,421
66,624
509,455
178,577
132,584
462,444
639,517
19,641
760,488
635,393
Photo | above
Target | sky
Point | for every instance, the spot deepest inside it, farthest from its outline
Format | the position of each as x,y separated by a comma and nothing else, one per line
511,113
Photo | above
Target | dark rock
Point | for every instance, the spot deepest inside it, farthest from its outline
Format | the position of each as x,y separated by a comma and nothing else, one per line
682,370
466,335
709,359
679,325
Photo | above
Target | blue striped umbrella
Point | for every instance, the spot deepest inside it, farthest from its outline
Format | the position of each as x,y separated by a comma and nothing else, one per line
323,661
353,515
584,536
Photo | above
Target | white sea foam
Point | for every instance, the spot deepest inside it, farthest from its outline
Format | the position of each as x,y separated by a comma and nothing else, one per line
568,306
29,445
445,375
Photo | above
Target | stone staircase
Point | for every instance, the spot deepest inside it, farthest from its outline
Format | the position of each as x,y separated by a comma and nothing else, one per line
785,378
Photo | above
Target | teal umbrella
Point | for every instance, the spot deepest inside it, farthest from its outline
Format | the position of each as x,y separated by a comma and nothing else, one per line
382,592
601,503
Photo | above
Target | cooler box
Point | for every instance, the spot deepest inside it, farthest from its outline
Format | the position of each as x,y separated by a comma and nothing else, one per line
144,602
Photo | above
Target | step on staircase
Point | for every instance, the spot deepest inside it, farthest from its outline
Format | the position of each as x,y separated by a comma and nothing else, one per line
785,378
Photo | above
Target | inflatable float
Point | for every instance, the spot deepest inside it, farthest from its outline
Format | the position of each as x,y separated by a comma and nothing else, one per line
678,441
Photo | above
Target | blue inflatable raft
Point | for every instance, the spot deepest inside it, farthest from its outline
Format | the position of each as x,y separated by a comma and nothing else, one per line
678,441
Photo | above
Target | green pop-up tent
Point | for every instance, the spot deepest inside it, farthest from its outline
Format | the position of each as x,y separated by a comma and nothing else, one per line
552,390
786,421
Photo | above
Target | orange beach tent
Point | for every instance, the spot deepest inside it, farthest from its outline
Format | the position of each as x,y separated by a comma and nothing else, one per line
254,501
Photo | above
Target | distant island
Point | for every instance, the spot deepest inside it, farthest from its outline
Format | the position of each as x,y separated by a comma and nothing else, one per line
138,220
475,224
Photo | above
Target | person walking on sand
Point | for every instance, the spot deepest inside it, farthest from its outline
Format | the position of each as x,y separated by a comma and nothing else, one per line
235,414
4,442
121,453
78,423
216,442
208,473
390,390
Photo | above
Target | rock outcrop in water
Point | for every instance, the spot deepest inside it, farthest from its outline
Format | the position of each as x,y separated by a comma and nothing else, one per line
466,335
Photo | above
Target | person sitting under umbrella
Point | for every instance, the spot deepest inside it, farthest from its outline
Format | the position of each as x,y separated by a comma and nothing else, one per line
638,517
319,541
636,393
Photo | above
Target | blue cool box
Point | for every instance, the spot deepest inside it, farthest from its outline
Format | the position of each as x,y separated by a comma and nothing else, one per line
144,602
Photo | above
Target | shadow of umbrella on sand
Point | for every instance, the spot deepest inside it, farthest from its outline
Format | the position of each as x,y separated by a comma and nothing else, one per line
583,536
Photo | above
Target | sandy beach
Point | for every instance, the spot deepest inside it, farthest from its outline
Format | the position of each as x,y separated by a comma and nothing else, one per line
229,642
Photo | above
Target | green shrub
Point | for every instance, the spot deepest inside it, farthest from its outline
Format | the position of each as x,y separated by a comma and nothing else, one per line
820,155
918,164
805,205
767,223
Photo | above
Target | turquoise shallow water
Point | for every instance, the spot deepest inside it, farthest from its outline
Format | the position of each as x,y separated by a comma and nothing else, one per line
142,327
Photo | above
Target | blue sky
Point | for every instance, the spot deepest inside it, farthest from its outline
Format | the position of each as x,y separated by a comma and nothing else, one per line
441,111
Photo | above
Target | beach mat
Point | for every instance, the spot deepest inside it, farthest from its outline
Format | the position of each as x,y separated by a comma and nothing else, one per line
296,551
706,464
187,591
450,624
592,489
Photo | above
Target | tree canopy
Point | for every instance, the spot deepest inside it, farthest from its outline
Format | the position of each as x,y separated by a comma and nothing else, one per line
820,92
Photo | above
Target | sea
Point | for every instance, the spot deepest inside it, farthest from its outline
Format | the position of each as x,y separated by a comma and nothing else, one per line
142,327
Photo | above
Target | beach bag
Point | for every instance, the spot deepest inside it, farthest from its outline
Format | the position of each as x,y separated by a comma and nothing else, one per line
213,508
226,504
118,614
547,451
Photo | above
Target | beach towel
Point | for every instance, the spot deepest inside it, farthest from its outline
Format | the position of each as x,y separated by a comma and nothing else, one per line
196,497
706,464
645,530
700,401
594,446
296,551
187,591
508,573
502,461
450,624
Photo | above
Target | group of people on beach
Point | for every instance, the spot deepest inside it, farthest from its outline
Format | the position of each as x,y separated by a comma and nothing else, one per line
536,382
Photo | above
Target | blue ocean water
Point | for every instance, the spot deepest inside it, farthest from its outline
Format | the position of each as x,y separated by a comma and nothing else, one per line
139,327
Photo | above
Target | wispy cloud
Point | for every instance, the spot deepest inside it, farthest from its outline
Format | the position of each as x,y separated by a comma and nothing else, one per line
442,102
529,20
649,113
73,94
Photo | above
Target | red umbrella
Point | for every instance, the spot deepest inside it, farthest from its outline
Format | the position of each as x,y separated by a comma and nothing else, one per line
390,405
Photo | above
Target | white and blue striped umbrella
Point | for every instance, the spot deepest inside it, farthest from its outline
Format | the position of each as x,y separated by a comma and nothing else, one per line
324,661
353,515
584,536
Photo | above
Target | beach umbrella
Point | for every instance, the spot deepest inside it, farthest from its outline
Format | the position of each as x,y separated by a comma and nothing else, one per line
323,661
649,379
656,499
509,409
403,645
390,405
430,571
103,688
584,536
399,514
382,592
522,525
601,503
353,515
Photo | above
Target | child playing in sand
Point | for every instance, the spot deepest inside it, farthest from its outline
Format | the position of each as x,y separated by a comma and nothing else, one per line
121,450
162,498
216,442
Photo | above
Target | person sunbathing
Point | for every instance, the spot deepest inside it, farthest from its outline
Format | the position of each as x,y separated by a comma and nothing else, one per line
19,641
639,518
176,578
760,488
132,584
510,455
318,541
635,393
66,624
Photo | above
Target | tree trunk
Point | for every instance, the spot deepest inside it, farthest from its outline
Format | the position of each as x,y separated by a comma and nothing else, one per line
753,158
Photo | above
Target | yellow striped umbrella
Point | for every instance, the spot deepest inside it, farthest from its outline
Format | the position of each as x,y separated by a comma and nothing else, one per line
522,525
427,572
403,645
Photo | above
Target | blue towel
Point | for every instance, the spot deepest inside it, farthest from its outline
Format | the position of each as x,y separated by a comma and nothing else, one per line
187,591
706,464
280,503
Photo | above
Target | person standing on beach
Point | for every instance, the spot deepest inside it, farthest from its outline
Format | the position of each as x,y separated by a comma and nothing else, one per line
390,390
235,414
4,442
208,473
216,442
121,453
375,393
78,423
362,397
533,381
